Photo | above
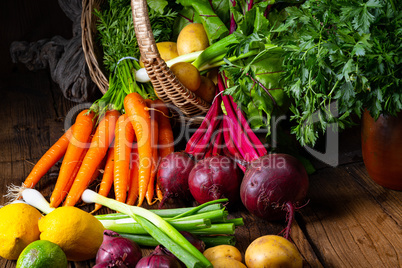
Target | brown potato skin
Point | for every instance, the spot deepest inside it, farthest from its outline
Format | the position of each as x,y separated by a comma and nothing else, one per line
187,74
206,91
272,251
167,51
227,262
213,75
223,251
192,38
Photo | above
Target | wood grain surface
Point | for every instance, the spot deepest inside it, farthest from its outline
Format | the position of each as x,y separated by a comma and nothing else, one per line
349,220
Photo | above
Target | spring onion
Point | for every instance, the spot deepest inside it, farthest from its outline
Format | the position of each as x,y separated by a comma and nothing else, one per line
169,212
132,227
157,227
30,196
210,241
141,75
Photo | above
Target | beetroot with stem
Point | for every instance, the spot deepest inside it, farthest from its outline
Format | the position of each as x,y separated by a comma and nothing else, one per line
200,141
213,178
273,186
172,176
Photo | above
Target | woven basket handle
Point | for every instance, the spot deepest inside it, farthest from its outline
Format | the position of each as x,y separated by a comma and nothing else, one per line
143,31
168,88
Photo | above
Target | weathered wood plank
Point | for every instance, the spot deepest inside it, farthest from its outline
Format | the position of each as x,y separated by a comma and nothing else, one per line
390,201
310,258
346,225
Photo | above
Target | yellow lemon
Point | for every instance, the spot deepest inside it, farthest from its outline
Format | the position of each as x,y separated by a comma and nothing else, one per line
78,233
18,228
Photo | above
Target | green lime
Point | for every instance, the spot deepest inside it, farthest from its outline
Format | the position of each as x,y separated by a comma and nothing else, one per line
41,254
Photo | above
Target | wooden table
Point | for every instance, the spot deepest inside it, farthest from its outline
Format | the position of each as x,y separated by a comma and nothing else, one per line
349,220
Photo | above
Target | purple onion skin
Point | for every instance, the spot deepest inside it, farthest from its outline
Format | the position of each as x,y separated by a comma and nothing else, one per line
110,265
159,258
172,176
117,250
213,178
272,182
194,240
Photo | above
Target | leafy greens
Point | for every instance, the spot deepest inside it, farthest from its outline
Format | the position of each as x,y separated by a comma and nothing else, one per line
347,52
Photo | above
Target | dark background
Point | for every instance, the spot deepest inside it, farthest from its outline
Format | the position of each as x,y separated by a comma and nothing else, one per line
27,20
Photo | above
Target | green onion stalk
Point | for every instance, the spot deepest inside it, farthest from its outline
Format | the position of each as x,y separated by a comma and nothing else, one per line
213,235
166,213
210,241
161,230
212,57
208,222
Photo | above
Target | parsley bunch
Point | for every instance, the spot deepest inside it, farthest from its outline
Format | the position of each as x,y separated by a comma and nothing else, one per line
341,57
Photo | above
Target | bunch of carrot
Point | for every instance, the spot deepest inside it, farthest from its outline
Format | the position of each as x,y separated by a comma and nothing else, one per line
127,146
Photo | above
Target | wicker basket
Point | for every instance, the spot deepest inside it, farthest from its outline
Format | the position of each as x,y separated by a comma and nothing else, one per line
166,85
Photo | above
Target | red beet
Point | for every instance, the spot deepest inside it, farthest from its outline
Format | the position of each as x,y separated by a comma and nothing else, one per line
172,177
213,178
272,186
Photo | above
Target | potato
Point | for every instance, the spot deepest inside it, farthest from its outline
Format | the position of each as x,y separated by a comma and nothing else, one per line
192,38
167,50
213,75
187,74
222,251
227,262
206,91
272,251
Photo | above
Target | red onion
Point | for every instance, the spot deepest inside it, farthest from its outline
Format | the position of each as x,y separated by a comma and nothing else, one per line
194,240
117,250
159,258
213,178
117,264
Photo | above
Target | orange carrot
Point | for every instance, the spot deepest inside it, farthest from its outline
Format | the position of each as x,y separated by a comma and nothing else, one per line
154,144
107,178
122,152
97,172
78,142
138,113
77,169
75,172
159,193
100,143
48,160
165,135
133,188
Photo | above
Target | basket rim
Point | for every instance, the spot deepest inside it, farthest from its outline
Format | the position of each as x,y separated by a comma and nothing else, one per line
166,85
88,46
